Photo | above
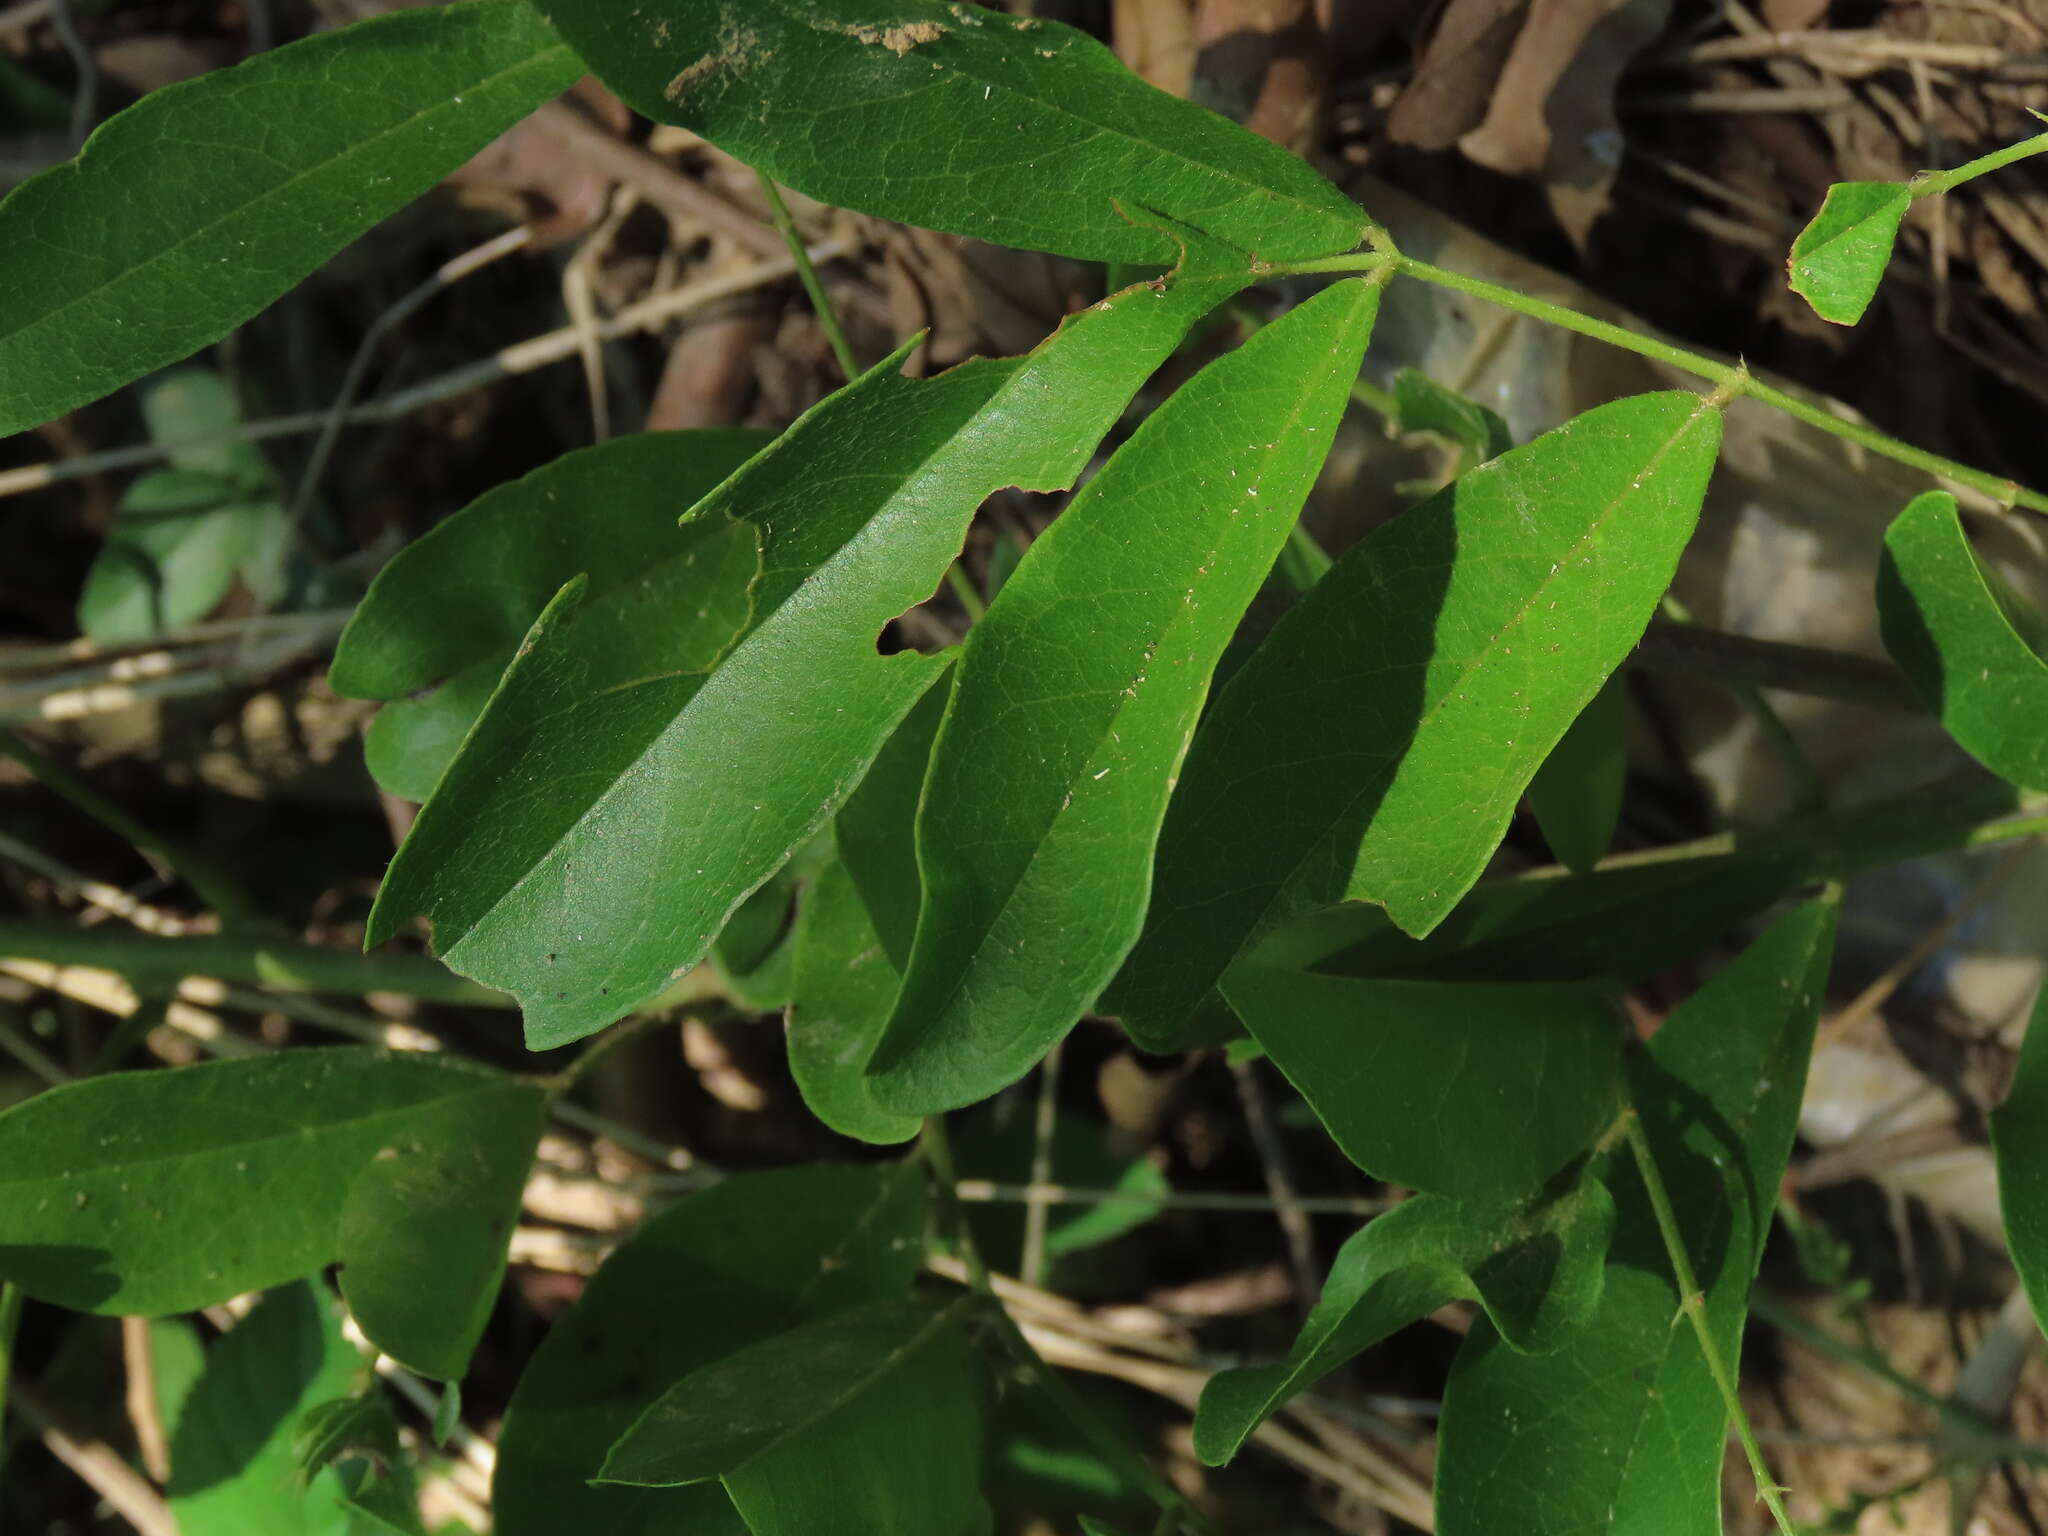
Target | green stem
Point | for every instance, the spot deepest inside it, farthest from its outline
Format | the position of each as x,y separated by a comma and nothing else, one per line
10,1318
214,886
828,317
964,593
1730,376
1931,183
253,960
937,1151
1693,1302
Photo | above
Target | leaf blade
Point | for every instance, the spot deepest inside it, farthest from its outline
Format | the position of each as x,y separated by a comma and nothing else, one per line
1044,132
1838,260
379,112
1945,624
1389,691
2019,1142
585,847
1035,833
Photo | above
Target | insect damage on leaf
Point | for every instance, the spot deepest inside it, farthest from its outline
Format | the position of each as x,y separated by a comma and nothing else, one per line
899,39
736,54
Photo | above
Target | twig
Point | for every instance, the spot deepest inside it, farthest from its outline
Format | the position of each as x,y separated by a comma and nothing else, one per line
445,276
145,1413
1301,1242
1692,1302
101,1469
11,1299
31,1055
1730,658
519,358
1031,1266
102,896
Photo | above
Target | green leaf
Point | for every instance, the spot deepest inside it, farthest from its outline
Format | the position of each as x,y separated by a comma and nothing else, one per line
1434,667
738,1263
1469,1089
1000,1147
1621,924
877,827
167,1191
1950,626
591,838
1839,259
1576,794
444,619
184,532
357,1438
192,210
866,1422
2019,1139
1018,131
756,953
844,988
1537,1268
1625,1430
1077,694
1427,406
233,1468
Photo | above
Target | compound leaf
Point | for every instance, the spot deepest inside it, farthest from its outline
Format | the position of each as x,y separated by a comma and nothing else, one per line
1434,667
603,820
2019,1138
867,1423
1424,405
1019,131
1076,695
733,1265
189,212
1625,1430
167,1191
1468,1089
1537,1268
1576,794
444,619
1839,259
1951,627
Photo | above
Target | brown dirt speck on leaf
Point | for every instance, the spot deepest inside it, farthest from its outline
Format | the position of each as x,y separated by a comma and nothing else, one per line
737,51
899,39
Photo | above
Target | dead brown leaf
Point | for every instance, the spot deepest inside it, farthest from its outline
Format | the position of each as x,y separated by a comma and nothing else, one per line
1455,74
1156,41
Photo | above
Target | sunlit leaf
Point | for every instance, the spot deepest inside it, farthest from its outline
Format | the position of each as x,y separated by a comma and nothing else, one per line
1469,1089
605,816
1950,625
1075,699
1537,1268
1839,258
443,620
404,1168
735,1264
1377,744
192,210
1625,1430
1019,130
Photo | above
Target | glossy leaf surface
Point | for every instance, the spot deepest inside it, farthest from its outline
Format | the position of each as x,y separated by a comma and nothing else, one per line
1075,699
1434,667
192,210
1947,624
1019,131
232,1459
1576,794
1461,1089
867,1423
1625,1430
1537,1268
728,1267
443,620
2019,1137
404,1168
589,841
1839,258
